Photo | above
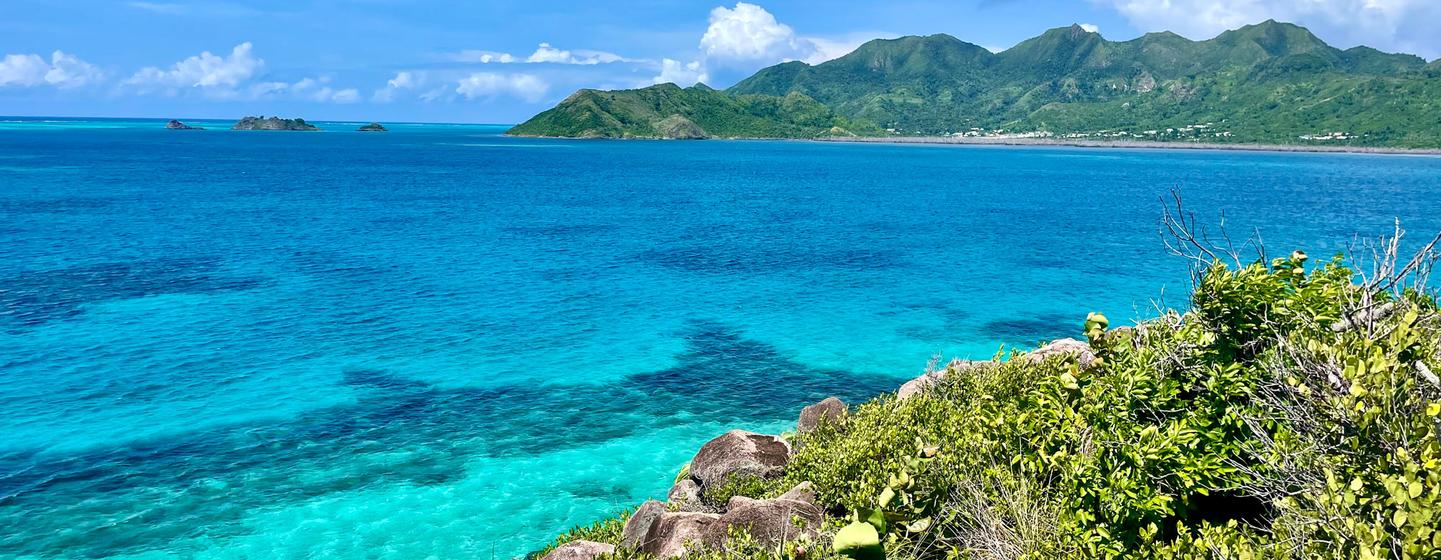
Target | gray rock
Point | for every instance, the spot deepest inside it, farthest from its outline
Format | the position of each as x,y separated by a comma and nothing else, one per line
638,527
686,496
930,379
803,492
580,550
675,532
177,125
1064,347
830,410
739,453
771,522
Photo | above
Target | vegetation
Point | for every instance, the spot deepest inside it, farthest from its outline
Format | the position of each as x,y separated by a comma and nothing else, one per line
1270,82
1292,412
668,111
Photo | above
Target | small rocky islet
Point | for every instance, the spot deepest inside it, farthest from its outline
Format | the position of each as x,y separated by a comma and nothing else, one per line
273,123
177,125
372,127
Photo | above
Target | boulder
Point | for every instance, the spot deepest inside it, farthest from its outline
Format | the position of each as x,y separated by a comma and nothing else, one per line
676,531
579,550
772,522
803,492
638,527
830,410
739,453
1064,347
931,378
686,496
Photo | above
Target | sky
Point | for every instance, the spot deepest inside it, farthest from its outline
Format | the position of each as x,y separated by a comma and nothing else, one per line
500,61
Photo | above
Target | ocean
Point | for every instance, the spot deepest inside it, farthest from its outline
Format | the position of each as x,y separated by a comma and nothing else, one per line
440,342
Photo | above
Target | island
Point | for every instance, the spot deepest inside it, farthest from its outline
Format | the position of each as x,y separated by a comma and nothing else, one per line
1270,83
273,123
177,125
372,127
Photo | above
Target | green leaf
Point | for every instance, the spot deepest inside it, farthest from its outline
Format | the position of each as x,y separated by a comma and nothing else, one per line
859,541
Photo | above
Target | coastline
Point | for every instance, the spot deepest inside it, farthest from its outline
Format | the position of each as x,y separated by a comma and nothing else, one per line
1132,144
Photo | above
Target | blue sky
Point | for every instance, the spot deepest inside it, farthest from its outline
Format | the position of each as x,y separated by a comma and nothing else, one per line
503,60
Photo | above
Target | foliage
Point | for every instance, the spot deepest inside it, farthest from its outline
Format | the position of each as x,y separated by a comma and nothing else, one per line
1270,82
1293,412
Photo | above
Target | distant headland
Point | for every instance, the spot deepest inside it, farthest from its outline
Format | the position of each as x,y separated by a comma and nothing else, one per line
1270,83
273,123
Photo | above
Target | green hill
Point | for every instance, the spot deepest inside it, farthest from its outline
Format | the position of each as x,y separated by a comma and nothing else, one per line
672,112
1269,82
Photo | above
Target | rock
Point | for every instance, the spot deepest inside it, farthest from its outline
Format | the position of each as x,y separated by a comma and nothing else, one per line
674,531
177,125
372,127
686,496
272,123
1063,347
739,453
676,127
640,524
579,550
830,410
803,492
772,522
925,382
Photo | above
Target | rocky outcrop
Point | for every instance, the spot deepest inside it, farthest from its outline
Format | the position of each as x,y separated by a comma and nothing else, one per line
686,496
931,378
772,522
831,409
668,534
638,528
739,453
580,550
273,123
177,125
675,532
1064,347
372,127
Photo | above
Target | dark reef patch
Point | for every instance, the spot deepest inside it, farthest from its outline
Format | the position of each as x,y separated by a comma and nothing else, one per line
33,298
1030,330
104,502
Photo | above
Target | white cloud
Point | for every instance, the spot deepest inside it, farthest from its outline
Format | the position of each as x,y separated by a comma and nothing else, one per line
402,81
1398,25
544,54
489,84
310,89
748,32
747,37
204,70
680,73
1091,27
63,71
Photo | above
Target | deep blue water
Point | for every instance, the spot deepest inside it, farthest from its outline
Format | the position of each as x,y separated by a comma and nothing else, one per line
441,342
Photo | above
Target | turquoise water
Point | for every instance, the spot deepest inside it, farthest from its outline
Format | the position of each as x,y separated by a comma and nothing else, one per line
441,342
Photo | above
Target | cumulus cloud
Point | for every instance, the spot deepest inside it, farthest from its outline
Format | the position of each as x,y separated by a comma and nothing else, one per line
746,37
62,70
1396,25
680,73
1091,27
204,70
489,84
748,32
309,89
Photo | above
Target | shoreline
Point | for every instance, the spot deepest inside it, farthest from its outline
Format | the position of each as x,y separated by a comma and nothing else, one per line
1132,144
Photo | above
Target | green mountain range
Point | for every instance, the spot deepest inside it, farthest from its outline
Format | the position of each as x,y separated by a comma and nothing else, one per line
1269,82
